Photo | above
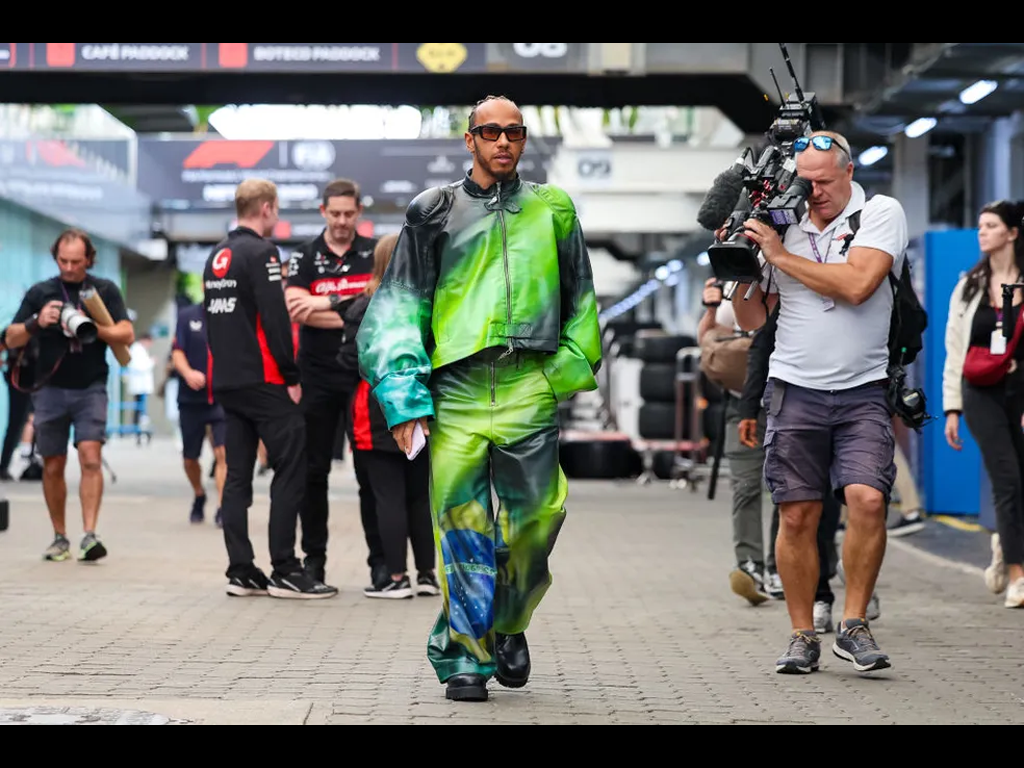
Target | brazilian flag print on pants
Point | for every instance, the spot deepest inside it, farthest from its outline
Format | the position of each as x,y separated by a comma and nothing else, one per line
497,423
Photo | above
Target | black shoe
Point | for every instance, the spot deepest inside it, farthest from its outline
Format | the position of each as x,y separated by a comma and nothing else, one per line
299,586
856,644
253,585
6,477
393,590
427,585
316,568
513,655
907,526
467,688
198,510
803,656
219,520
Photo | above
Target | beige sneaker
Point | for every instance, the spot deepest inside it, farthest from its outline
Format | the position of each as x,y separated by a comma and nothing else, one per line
1015,596
997,579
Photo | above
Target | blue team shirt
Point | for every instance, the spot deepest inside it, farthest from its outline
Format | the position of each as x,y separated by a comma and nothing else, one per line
191,339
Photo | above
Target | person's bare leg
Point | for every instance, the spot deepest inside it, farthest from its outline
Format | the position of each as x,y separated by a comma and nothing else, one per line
863,548
221,457
90,456
796,551
55,491
194,473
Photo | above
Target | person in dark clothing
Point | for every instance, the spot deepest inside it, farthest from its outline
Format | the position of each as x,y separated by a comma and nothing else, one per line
751,407
401,488
256,381
324,277
19,408
197,410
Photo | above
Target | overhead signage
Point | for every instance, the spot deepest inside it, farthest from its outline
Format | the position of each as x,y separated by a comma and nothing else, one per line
435,58
192,174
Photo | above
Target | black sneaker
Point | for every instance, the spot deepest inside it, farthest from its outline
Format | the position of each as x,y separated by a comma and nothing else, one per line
908,526
219,520
6,477
393,590
803,656
427,585
316,569
299,586
857,645
253,585
198,510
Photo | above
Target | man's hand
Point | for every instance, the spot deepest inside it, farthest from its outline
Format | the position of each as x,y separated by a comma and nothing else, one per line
403,434
766,238
295,393
196,380
302,306
713,295
50,316
953,432
748,434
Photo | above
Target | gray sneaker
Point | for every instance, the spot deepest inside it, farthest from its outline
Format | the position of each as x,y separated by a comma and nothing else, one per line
823,622
803,656
59,551
92,549
857,645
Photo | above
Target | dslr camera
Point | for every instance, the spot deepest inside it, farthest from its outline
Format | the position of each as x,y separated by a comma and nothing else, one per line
78,325
774,192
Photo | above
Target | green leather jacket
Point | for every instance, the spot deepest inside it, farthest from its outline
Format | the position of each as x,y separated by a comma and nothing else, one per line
477,269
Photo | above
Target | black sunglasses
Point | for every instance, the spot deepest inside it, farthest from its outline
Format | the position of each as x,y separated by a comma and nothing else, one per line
515,133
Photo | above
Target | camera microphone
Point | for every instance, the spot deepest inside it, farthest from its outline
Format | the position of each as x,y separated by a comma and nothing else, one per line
722,199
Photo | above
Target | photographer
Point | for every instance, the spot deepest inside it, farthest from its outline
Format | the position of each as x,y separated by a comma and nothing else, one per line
71,372
829,419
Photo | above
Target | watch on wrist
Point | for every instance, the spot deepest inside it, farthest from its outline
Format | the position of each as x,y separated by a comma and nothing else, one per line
32,325
335,300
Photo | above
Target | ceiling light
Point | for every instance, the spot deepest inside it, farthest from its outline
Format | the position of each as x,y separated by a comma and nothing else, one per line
872,155
980,90
920,127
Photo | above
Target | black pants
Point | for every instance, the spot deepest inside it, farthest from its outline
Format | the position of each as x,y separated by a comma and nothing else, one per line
402,492
828,555
264,413
368,514
994,417
323,405
20,405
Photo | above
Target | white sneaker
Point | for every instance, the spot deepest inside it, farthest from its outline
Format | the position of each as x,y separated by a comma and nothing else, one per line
874,609
1015,595
823,621
997,579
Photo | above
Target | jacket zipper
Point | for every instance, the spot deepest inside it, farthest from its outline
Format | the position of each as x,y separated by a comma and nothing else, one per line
508,273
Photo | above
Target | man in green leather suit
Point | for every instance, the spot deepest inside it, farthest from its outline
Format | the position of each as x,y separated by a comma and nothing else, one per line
485,321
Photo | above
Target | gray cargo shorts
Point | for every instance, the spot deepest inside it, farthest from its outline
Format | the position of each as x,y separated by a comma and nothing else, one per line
58,410
821,440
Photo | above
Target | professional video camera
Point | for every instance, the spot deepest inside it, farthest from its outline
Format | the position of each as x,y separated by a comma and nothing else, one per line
774,192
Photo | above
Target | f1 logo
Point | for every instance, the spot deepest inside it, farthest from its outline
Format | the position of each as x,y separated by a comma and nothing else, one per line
222,263
60,54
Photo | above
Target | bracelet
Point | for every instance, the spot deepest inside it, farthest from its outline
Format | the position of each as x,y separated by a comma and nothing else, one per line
32,325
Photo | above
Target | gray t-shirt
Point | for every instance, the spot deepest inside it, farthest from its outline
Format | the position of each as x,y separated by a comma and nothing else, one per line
835,349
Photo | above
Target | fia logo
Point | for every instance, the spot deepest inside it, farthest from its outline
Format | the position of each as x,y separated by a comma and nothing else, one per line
222,263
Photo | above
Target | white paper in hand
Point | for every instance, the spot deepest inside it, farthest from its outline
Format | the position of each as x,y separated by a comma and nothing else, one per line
419,442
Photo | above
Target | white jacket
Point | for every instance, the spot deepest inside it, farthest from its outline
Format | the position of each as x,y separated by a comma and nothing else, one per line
958,342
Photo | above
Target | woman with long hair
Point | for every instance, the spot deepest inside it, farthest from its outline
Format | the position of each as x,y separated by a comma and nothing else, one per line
984,383
400,487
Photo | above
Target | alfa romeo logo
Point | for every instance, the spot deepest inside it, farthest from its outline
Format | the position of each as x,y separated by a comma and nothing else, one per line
442,58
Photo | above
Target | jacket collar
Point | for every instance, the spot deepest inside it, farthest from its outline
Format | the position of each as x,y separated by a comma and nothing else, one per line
508,189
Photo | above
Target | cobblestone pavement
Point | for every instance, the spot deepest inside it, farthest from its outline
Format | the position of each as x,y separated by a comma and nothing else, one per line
640,627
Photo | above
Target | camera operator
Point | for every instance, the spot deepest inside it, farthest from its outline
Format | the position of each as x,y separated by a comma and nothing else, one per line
829,417
71,374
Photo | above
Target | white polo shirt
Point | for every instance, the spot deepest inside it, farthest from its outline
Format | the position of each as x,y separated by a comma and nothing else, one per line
841,347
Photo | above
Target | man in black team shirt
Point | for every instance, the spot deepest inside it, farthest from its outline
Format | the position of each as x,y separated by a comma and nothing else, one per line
325,275
256,381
